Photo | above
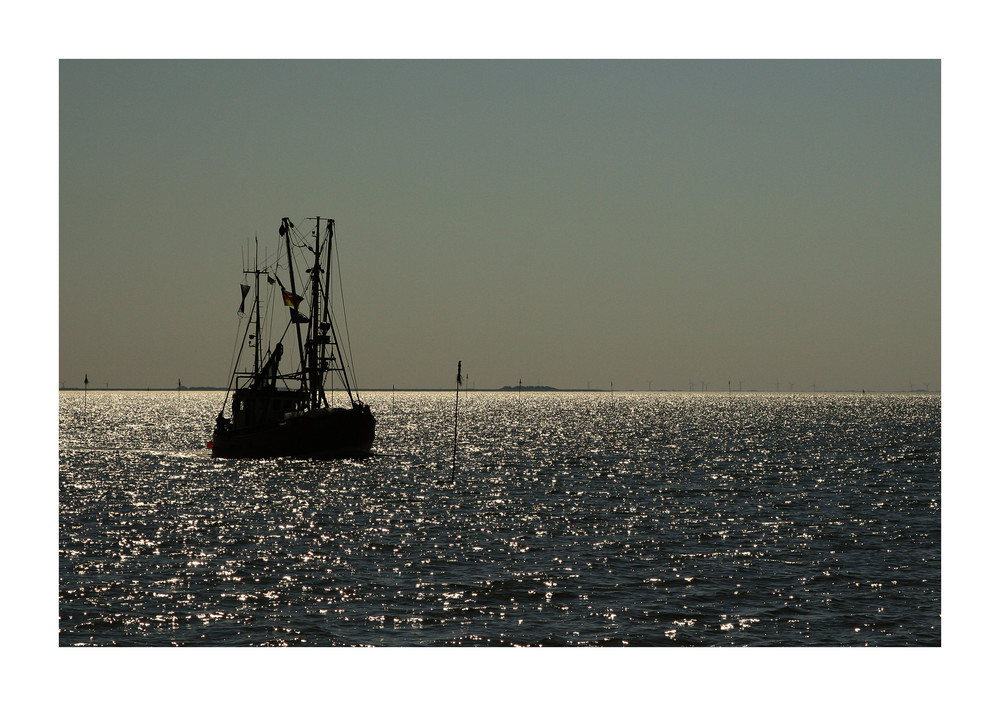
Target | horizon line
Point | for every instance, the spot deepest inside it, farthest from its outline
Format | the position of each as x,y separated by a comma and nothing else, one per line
524,388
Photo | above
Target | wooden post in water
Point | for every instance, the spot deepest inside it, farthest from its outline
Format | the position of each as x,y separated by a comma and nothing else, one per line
454,456
85,383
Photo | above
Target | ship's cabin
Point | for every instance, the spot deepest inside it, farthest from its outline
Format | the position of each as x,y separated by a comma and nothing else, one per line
269,406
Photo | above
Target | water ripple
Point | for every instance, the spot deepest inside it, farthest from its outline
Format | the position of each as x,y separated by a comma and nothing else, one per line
577,519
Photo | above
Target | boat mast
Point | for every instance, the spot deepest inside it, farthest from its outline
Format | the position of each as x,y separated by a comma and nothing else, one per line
291,278
315,381
256,301
327,325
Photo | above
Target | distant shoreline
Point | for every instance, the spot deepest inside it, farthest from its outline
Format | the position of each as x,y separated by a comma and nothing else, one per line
523,389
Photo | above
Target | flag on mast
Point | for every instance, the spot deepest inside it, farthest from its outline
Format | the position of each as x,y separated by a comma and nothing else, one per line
246,290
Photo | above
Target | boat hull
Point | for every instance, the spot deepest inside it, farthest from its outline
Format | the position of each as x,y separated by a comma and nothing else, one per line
323,433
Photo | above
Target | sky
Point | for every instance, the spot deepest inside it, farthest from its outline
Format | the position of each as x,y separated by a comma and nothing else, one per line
657,224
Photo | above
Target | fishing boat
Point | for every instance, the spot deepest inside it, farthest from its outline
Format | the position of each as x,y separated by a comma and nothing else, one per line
276,413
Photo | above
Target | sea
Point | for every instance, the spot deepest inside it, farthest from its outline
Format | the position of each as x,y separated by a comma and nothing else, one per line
639,519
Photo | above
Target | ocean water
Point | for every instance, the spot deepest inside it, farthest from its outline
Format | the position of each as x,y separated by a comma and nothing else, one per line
647,519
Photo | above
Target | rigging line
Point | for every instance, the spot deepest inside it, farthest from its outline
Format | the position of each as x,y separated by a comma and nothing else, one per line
265,319
343,375
268,313
302,239
341,372
328,318
325,289
287,326
234,356
296,267
233,376
347,332
346,373
232,361
306,295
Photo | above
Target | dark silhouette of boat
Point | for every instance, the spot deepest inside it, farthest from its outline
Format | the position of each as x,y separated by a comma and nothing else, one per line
288,414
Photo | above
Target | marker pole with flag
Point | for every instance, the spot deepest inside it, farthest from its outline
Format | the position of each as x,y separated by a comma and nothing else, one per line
454,456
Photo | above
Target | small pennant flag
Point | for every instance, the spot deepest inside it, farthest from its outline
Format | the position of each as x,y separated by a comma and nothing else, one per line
246,290
85,380
298,318
292,300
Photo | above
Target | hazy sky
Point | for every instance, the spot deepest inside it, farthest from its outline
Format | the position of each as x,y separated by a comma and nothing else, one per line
569,223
